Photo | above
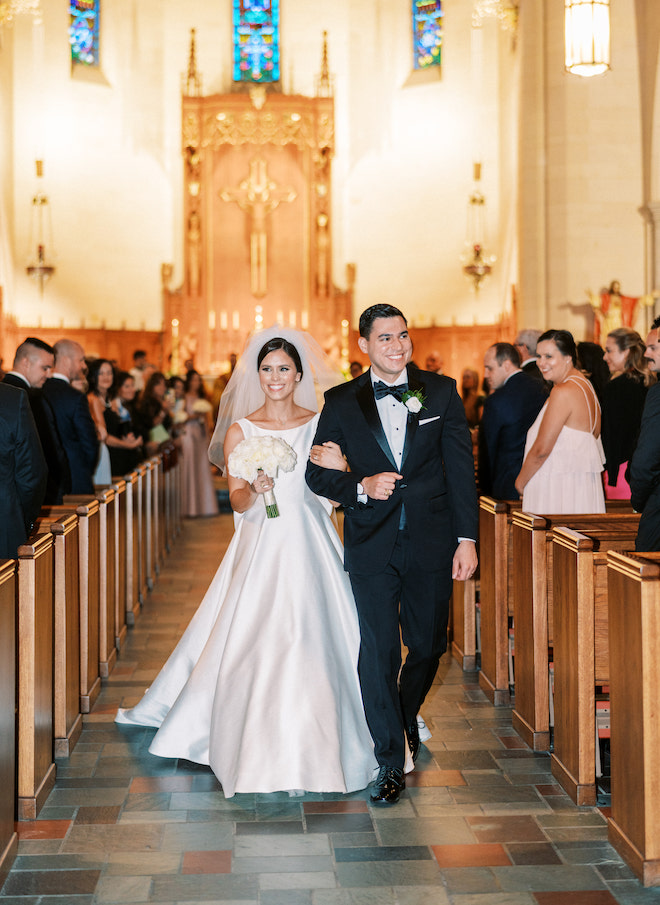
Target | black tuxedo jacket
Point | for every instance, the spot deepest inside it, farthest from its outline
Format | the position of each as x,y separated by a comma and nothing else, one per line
645,475
508,414
437,489
59,475
77,432
22,470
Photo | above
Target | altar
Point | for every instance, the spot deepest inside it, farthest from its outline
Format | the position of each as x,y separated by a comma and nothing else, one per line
258,222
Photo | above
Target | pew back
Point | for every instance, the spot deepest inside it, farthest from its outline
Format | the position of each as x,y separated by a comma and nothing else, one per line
634,629
8,836
533,599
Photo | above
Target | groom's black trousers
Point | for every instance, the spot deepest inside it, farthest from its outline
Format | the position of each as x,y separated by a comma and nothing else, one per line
418,602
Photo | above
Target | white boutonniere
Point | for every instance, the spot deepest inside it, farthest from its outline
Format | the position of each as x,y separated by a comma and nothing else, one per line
414,401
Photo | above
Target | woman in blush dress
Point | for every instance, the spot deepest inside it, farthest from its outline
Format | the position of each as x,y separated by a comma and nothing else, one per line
623,403
263,685
561,471
199,497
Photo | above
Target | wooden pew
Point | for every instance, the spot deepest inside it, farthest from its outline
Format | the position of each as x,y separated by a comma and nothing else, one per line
157,513
495,594
463,623
67,721
634,631
8,836
533,602
89,527
580,650
36,769
143,521
132,548
107,576
119,505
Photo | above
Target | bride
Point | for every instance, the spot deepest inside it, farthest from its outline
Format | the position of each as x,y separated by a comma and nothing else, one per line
263,684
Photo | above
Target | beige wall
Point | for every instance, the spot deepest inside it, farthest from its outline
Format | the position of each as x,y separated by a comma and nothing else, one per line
570,189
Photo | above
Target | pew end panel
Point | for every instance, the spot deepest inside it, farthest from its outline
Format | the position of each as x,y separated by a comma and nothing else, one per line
119,503
67,721
132,548
36,769
464,624
531,714
105,497
495,517
634,628
573,759
89,526
8,835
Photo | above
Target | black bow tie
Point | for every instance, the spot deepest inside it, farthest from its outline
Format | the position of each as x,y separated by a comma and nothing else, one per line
382,389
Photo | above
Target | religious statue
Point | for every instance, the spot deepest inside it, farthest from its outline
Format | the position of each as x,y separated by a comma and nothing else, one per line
612,309
258,196
194,262
322,242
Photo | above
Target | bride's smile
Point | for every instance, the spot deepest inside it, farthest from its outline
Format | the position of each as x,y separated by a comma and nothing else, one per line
278,375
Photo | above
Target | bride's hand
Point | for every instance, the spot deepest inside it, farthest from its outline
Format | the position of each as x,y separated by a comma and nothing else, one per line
262,483
328,455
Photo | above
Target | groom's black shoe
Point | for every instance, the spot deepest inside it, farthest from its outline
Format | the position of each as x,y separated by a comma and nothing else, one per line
412,734
388,786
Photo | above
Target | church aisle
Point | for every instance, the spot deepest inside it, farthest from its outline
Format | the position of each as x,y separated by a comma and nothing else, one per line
482,821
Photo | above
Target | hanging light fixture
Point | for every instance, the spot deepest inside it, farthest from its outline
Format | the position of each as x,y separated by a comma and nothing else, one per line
587,37
38,268
477,262
9,9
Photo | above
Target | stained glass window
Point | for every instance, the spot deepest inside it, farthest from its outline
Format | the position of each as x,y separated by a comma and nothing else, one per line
256,40
84,31
427,33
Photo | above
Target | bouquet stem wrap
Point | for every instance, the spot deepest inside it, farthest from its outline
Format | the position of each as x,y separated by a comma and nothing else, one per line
270,502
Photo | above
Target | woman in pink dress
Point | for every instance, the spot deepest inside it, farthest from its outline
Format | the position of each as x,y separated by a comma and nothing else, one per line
561,471
199,496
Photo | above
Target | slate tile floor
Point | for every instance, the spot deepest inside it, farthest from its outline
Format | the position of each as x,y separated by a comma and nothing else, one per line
482,821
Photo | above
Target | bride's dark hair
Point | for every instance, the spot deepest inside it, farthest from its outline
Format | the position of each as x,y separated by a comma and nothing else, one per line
274,345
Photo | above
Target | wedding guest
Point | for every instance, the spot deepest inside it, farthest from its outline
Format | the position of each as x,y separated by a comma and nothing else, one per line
623,401
23,470
198,492
33,364
100,380
645,463
564,456
72,416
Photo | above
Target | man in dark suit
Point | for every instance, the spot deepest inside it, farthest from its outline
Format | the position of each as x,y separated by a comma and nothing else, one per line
525,343
409,528
508,413
32,366
22,470
645,463
72,415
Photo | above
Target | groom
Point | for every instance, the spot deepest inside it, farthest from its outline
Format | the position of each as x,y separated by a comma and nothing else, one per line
409,528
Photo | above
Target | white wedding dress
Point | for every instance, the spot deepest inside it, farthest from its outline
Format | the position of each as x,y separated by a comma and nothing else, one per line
263,684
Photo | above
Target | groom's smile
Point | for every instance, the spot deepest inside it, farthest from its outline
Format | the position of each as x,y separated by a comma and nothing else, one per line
388,346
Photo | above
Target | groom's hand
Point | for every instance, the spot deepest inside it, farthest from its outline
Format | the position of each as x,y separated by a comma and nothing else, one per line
380,486
465,560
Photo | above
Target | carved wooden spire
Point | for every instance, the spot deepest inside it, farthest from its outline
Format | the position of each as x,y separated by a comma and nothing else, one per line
193,84
324,80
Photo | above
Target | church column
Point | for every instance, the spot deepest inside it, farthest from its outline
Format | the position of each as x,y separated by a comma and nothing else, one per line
533,294
651,214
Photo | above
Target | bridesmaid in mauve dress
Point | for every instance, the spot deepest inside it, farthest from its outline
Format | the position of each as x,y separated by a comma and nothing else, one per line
199,497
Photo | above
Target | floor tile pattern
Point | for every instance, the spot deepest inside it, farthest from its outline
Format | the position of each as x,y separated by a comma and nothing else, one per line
482,821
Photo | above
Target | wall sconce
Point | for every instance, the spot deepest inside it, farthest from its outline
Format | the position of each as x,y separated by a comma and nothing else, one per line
587,37
38,269
477,262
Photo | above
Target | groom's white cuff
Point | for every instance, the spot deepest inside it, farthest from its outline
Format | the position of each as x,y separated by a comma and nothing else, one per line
361,495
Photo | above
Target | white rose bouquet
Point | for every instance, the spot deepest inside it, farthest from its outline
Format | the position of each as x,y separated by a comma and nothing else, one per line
202,407
262,454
